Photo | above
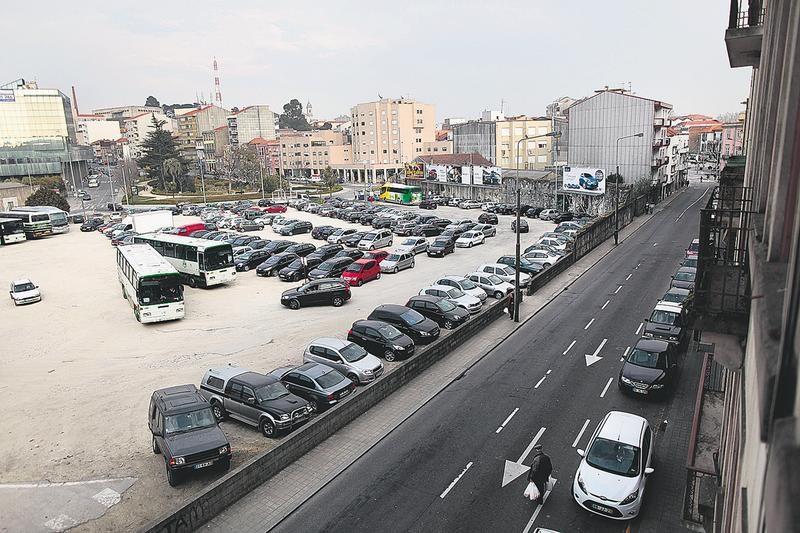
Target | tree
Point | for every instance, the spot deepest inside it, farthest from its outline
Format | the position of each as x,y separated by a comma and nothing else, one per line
292,117
615,178
329,179
45,196
240,163
172,169
157,147
152,101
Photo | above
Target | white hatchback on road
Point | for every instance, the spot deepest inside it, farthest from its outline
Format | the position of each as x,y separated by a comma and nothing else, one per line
612,475
468,239
23,291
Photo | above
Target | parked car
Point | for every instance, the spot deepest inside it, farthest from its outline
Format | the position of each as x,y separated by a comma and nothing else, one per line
441,246
256,399
414,245
684,278
562,217
276,208
397,261
488,218
613,472
533,212
650,368
426,230
379,238
428,204
352,254
543,257
526,265
421,330
548,214
322,232
490,283
693,249
297,227
275,263
91,224
505,272
325,291
470,204
667,322
352,240
299,268
302,249
381,338
687,261
361,271
185,432
677,296
487,229
463,284
24,291
456,296
377,255
326,251
248,260
320,385
468,239
276,247
337,236
249,225
349,358
330,268
442,311
557,244
523,225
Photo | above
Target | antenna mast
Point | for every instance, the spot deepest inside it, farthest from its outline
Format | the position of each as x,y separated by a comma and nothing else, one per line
217,90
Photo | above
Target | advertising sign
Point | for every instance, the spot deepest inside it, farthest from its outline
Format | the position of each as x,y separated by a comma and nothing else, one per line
487,176
437,172
6,96
414,171
582,180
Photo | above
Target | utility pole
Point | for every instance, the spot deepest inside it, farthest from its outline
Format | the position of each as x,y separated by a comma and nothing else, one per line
616,201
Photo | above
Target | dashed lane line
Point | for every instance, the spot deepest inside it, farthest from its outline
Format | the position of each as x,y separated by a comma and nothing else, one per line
641,325
605,304
507,420
605,389
569,347
453,484
580,433
589,324
618,289
540,382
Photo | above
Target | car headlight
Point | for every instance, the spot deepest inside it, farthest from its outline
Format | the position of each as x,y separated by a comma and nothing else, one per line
424,333
396,347
367,372
657,386
178,460
625,380
648,333
673,337
581,485
284,416
224,450
630,497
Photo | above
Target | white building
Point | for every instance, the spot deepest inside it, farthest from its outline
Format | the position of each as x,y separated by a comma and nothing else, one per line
136,128
678,157
125,111
251,123
91,128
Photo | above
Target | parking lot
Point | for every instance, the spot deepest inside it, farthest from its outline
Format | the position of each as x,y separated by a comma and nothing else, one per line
79,367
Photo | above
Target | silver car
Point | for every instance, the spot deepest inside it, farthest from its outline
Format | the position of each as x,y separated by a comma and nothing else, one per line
460,282
415,245
506,273
397,261
493,285
454,296
348,358
487,229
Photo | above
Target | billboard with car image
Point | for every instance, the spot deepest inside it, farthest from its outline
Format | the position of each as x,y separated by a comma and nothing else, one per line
584,180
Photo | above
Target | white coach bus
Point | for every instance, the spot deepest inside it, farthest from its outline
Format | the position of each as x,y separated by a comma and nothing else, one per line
202,263
149,283
58,218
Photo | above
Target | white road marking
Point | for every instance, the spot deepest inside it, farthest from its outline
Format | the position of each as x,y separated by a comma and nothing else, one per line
539,508
453,484
512,470
548,372
540,382
580,434
605,304
618,289
507,420
641,325
605,390
107,497
629,276
593,358
625,354
60,483
589,324
655,244
568,347
531,445
690,205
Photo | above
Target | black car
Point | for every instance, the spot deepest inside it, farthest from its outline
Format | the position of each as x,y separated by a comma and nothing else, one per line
271,266
330,268
533,212
488,218
184,427
276,247
299,268
427,204
503,209
258,244
441,222
199,234
426,230
650,368
442,311
321,385
425,219
352,240
301,248
525,265
294,228
561,217
352,254
441,246
77,219
382,339
523,225
264,202
213,235
322,232
327,251
90,225
354,216
421,330
382,222
324,291
243,241
247,260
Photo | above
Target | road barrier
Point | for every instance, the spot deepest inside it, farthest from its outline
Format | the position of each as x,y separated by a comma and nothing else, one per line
200,509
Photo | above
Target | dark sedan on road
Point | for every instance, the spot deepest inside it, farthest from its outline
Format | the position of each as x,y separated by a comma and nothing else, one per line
381,339
271,266
649,369
421,330
440,310
247,260
321,385
299,268
324,291
684,278
331,268
441,246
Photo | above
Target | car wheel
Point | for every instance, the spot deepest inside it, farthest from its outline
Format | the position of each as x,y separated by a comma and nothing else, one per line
378,275
389,355
546,265
156,449
246,268
337,302
218,410
359,283
193,283
396,270
172,477
294,304
448,324
499,295
267,428
469,245
352,377
314,406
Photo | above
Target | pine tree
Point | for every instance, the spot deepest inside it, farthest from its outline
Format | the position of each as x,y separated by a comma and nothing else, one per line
157,147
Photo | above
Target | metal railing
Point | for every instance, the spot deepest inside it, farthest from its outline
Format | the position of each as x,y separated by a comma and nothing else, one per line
753,16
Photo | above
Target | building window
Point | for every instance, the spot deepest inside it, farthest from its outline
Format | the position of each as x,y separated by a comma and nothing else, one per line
505,132
517,132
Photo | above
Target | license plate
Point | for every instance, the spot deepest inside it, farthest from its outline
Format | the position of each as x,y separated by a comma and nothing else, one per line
198,466
344,393
640,391
601,508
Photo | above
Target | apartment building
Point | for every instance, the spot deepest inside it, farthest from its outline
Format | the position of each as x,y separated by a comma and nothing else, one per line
91,128
191,124
269,152
307,153
748,288
214,144
599,123
677,157
732,139
125,111
255,121
135,129
534,153
476,137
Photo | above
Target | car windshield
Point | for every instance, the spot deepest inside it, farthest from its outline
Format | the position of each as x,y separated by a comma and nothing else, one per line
164,290
389,332
409,242
218,258
690,262
674,297
273,391
202,418
393,257
329,379
647,359
684,276
445,305
455,293
274,260
467,284
614,457
494,279
244,256
412,317
22,287
352,353
297,263
354,267
694,247
664,317
326,266
368,237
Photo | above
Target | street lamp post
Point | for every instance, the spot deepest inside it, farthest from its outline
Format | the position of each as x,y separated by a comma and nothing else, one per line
616,192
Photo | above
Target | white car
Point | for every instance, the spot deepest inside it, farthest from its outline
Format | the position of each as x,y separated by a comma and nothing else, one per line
487,229
506,273
555,243
23,291
339,235
415,245
238,250
612,475
543,257
469,204
547,214
490,283
468,239
460,282
278,224
488,206
455,296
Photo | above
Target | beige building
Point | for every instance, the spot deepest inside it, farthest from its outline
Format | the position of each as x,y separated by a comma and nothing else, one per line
535,154
307,153
91,128
214,144
125,111
437,147
13,194
136,128
252,122
191,125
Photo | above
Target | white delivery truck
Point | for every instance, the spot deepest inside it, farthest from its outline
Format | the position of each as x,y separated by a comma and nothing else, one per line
151,221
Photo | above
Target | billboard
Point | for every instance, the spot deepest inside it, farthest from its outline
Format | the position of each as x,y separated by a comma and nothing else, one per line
443,173
7,96
414,171
583,180
487,176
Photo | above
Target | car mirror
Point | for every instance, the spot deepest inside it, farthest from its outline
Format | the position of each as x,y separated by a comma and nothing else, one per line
648,471
250,399
581,452
157,433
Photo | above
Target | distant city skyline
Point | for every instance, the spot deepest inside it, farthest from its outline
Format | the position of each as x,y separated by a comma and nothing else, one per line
463,60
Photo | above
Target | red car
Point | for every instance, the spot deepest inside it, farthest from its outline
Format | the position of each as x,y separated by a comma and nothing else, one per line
377,255
361,271
277,208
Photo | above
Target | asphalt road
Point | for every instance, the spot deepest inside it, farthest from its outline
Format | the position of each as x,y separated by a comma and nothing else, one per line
442,469
101,196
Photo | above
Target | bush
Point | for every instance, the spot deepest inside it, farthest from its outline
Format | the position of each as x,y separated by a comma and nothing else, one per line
48,197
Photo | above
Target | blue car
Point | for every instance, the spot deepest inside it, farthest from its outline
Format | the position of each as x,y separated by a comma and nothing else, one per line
588,181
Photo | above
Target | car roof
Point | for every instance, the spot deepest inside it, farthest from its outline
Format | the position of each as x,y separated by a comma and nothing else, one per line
330,342
426,297
453,277
652,345
313,370
392,308
179,398
672,307
362,261
20,281
622,427
679,291
689,270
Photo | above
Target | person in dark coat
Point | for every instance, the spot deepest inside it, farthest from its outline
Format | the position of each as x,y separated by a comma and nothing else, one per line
540,471
511,306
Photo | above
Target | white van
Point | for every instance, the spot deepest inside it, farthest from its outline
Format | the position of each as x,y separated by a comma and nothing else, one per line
379,238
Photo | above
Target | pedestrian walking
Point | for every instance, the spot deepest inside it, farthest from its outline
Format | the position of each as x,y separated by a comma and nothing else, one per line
511,306
540,471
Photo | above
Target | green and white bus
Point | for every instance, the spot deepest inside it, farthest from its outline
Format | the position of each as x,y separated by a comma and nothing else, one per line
150,284
202,263
34,224
11,231
58,218
401,194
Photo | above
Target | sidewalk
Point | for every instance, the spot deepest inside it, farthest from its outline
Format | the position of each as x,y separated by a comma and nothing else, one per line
271,502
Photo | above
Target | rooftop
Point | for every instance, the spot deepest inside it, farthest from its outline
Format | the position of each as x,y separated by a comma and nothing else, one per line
455,159
11,184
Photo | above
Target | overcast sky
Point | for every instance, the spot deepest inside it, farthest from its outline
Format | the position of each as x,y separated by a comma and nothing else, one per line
463,56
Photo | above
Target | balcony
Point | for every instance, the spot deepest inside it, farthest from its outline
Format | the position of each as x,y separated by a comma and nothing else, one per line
744,34
658,143
660,122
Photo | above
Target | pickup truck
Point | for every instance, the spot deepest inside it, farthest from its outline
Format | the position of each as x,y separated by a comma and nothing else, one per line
256,399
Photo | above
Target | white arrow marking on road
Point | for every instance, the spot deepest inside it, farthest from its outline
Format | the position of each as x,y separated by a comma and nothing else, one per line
512,471
568,347
453,484
539,507
592,358
580,433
